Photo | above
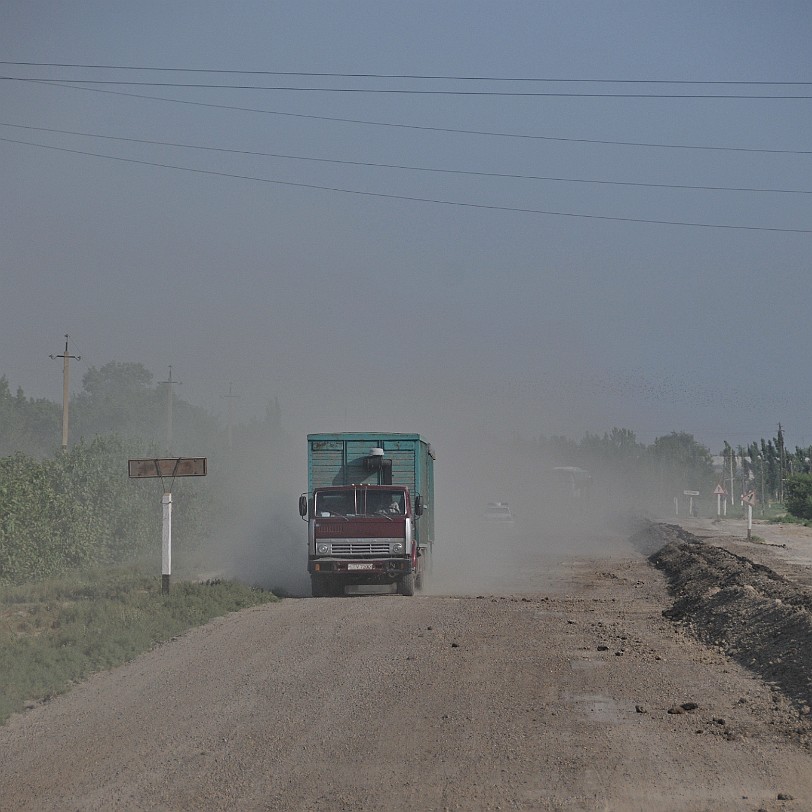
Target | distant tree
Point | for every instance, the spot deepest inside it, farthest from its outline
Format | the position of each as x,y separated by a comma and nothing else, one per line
27,425
688,465
120,398
559,450
798,495
801,460
782,460
117,398
763,469
625,442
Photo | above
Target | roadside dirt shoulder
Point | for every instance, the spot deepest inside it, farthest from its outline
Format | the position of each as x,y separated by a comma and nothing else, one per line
744,608
785,548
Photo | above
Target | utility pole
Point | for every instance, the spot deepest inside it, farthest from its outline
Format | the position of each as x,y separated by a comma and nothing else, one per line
783,463
230,418
170,383
65,381
731,477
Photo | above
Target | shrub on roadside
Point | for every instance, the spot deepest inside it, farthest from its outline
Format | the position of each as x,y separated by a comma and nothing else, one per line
75,509
798,495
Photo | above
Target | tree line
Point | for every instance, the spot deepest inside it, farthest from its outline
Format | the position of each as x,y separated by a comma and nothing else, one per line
771,471
629,472
653,475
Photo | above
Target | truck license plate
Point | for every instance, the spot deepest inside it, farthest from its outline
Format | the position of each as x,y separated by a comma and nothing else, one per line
366,565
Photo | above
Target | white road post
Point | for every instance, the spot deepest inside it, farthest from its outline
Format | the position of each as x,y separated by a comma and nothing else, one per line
169,467
676,506
719,504
749,520
166,546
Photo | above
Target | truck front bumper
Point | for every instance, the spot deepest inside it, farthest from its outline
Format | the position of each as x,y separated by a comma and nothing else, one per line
362,570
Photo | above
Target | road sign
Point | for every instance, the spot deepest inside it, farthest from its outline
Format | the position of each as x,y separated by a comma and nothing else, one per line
167,467
720,491
749,498
690,493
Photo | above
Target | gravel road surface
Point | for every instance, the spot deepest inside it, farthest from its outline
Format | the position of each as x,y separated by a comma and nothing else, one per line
562,686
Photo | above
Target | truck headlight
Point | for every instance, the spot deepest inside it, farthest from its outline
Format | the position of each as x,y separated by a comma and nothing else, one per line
323,549
397,547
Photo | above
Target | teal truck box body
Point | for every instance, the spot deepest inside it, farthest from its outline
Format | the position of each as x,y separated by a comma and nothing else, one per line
370,510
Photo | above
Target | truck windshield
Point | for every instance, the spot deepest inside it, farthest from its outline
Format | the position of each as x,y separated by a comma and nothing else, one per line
390,503
361,502
337,503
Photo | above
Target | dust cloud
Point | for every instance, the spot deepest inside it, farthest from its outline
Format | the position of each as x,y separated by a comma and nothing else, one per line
260,538
549,527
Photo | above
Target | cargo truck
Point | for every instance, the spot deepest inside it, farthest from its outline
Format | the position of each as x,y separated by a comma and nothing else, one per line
369,509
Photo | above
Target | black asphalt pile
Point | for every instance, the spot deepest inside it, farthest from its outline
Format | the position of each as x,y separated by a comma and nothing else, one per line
754,615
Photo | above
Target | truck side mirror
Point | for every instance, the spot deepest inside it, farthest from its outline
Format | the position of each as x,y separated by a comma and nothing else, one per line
303,505
418,505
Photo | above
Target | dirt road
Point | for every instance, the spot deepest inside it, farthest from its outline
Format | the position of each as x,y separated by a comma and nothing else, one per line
569,690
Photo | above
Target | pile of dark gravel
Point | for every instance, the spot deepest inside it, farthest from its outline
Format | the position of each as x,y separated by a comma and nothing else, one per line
754,615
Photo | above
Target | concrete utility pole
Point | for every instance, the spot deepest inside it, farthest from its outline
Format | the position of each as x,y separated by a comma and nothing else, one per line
230,417
731,478
783,463
65,395
170,383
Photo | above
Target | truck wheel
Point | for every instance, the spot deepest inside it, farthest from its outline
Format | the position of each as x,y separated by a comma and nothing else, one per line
424,571
318,586
406,585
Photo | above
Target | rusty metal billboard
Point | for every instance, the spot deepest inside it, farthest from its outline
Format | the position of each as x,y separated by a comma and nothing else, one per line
168,467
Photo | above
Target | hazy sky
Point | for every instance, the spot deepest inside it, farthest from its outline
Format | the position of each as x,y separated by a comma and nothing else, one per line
435,294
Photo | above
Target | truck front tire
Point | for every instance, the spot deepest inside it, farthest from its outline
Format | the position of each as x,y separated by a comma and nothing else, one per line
318,586
406,585
324,586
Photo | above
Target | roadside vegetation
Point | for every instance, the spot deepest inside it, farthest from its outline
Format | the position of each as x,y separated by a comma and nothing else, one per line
80,542
57,631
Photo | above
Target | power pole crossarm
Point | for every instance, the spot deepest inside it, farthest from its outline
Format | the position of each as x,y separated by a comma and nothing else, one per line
66,356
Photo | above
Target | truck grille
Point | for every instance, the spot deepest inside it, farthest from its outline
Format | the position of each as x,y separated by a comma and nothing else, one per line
360,548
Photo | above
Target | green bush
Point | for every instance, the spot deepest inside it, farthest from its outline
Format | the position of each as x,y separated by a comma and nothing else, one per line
79,508
798,495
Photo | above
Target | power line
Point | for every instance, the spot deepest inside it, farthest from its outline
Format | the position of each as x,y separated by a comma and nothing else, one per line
343,162
413,199
418,92
424,128
414,76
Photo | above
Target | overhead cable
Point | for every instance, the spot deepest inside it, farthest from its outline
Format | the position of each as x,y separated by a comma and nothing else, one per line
425,128
410,76
419,92
468,172
414,199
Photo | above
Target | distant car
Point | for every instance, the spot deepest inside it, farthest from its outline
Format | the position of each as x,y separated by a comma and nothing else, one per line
498,512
